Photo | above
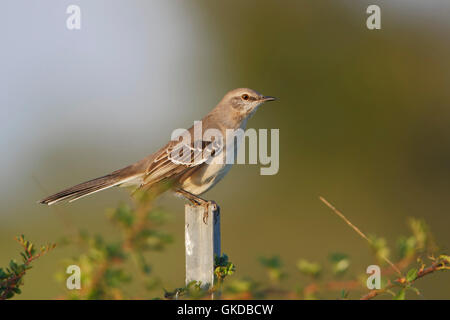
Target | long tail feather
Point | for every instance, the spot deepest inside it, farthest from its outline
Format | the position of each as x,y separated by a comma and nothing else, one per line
86,188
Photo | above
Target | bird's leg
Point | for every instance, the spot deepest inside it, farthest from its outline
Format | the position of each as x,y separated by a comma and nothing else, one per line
196,200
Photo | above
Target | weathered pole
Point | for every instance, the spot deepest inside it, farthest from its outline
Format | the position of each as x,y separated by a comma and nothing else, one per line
202,243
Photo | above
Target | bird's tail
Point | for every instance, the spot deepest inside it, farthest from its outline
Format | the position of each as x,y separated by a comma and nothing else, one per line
123,176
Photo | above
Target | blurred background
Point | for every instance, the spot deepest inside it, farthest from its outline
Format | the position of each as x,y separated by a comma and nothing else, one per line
364,119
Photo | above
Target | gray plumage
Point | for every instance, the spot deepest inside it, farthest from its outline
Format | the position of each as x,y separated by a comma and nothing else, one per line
191,180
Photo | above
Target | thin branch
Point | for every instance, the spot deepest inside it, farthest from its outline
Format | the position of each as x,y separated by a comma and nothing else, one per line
436,266
329,205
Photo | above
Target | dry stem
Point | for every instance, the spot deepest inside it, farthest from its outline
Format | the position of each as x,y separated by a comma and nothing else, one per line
329,205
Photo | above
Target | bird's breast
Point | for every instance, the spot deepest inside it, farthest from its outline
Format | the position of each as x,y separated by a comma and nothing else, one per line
205,177
208,174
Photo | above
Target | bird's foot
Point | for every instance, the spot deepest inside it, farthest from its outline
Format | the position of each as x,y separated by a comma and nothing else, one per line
197,201
206,207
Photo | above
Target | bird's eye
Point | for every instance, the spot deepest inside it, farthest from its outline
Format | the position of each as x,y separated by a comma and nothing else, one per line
245,96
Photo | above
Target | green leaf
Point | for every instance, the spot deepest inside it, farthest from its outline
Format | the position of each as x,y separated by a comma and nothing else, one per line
271,262
14,266
241,285
379,245
406,246
124,215
339,263
16,290
309,268
420,231
444,257
2,274
274,267
344,294
411,275
24,256
31,249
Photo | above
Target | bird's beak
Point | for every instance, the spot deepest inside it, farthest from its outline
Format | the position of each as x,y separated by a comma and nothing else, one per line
268,98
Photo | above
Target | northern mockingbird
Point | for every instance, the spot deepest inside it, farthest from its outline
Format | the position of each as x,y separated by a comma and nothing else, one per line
189,175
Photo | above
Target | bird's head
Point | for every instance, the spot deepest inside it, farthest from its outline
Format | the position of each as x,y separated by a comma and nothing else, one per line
244,102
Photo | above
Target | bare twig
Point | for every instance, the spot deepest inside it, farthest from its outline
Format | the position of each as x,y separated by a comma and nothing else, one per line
329,205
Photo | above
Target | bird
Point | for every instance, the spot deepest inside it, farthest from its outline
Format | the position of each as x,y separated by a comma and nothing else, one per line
189,175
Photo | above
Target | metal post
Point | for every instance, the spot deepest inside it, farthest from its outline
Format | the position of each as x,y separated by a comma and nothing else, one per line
202,243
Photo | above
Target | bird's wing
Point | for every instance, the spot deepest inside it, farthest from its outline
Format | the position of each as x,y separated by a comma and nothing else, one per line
176,158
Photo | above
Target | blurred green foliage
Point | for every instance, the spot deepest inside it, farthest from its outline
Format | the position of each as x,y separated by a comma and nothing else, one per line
340,263
274,267
107,264
410,252
108,267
